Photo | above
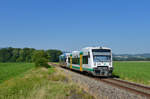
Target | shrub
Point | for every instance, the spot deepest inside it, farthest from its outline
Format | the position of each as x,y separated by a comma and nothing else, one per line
38,54
41,62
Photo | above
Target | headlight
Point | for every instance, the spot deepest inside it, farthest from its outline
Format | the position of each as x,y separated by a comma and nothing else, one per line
111,68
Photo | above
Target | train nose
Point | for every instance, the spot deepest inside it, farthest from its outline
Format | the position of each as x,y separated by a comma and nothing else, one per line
101,70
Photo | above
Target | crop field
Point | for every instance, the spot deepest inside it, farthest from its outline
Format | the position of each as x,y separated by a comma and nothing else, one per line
133,71
9,70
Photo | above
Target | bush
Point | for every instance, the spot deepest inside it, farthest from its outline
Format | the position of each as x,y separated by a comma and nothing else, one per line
38,54
41,62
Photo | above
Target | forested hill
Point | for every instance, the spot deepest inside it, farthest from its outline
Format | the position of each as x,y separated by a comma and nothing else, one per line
27,54
132,57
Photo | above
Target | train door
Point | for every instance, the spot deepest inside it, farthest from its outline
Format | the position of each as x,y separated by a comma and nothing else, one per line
89,59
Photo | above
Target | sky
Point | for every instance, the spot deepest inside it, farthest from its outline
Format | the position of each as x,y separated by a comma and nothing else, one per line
123,25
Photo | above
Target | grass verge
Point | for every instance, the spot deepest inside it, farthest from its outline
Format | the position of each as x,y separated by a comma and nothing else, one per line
41,83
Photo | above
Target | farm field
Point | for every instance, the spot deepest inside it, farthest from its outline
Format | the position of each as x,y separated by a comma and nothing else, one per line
37,83
9,70
138,72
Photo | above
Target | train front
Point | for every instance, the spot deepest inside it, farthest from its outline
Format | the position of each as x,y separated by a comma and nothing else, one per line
102,61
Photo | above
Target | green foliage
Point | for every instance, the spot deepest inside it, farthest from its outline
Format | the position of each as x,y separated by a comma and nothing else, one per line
8,70
53,55
39,54
40,58
133,71
27,55
41,62
5,54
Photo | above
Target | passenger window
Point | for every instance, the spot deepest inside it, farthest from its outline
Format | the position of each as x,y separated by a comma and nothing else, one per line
75,61
68,60
85,59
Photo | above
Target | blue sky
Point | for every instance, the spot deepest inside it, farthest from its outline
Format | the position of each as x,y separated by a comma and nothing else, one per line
123,25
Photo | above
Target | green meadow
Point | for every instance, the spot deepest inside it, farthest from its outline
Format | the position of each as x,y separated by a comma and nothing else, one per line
134,71
9,70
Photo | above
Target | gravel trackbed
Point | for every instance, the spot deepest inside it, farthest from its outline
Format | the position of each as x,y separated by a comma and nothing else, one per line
100,90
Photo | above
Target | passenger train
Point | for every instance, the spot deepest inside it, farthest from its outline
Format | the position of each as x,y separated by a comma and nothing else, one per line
94,60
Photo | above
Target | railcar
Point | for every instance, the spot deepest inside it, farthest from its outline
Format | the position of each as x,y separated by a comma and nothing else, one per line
94,60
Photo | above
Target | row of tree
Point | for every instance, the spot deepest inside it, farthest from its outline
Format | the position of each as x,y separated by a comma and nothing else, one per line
31,55
27,54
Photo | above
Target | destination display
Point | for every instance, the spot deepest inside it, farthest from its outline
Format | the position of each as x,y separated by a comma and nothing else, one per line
101,53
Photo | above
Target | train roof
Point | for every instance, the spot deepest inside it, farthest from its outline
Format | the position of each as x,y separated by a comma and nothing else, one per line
89,48
86,49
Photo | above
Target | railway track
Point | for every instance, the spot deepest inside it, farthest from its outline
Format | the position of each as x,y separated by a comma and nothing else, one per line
128,86
125,85
139,87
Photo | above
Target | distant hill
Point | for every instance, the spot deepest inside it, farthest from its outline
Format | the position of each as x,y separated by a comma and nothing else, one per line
132,57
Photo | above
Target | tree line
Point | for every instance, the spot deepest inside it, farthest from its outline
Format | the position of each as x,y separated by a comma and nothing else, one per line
28,54
131,59
31,55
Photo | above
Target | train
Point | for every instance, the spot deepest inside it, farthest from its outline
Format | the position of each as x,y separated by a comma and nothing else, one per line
93,60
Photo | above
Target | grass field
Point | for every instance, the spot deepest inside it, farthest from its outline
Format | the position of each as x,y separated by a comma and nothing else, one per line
9,70
133,71
37,83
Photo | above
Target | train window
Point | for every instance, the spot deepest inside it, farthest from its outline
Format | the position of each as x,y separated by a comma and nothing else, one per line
75,60
68,60
85,59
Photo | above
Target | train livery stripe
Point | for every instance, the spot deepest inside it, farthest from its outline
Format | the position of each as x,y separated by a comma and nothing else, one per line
86,69
75,67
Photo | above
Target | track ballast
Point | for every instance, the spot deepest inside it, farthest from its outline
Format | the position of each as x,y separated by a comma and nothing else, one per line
128,86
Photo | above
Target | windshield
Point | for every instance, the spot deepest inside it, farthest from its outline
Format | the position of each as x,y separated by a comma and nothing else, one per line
101,58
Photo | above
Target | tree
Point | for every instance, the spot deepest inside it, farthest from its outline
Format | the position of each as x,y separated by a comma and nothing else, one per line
53,55
5,55
42,62
40,58
27,55
15,54
39,54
